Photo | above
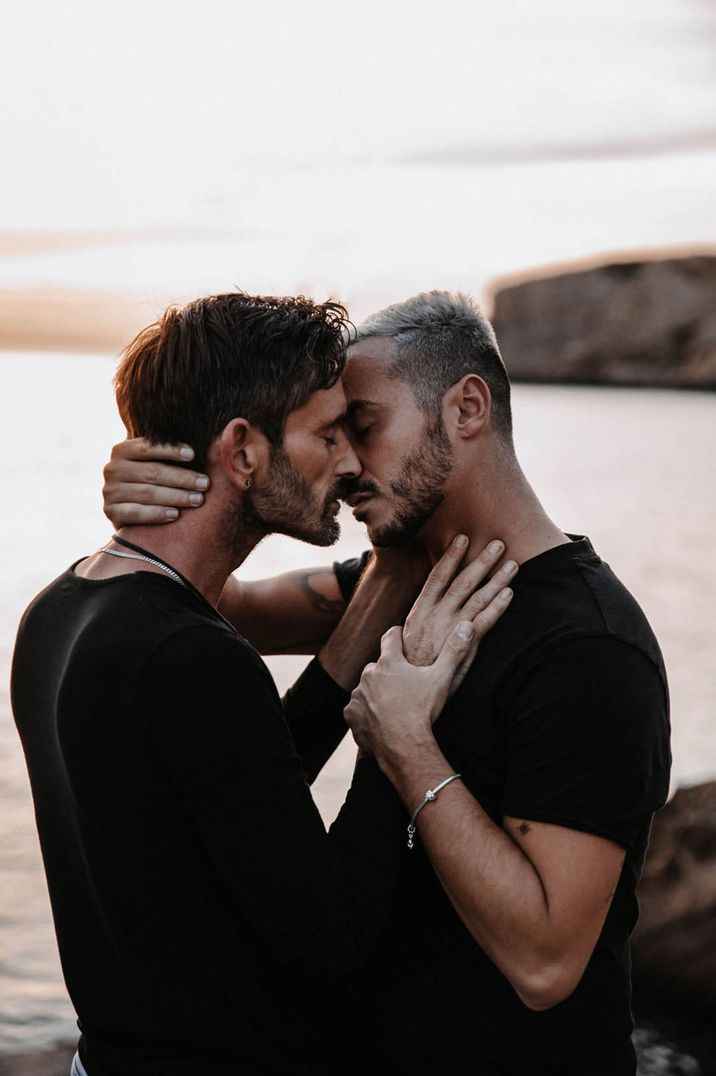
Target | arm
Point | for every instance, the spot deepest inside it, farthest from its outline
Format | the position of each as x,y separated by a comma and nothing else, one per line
534,892
534,896
292,613
316,901
298,612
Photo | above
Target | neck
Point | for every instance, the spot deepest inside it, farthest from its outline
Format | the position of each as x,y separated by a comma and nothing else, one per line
488,502
196,549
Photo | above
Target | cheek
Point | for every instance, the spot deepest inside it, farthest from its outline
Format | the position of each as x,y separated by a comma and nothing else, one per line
321,477
309,457
383,461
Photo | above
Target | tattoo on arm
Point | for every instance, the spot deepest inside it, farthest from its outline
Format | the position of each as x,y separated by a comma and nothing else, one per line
328,606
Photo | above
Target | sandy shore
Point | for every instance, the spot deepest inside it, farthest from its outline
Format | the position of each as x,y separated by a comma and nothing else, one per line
71,319
55,1062
59,319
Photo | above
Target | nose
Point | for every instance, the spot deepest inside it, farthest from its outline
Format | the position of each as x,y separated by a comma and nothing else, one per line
347,463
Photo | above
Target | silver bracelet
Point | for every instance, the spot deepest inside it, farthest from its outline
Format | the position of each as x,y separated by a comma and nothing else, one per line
430,795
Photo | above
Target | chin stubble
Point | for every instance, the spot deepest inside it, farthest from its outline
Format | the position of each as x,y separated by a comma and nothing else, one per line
419,485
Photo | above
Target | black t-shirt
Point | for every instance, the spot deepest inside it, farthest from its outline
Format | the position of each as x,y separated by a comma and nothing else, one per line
204,917
563,718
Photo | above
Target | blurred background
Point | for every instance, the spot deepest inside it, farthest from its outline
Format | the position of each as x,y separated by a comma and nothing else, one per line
556,159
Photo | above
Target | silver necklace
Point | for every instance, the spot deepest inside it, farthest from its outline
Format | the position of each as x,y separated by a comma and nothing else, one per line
149,560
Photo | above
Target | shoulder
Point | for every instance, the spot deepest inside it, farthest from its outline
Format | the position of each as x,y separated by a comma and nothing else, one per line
203,649
618,611
205,690
597,662
566,600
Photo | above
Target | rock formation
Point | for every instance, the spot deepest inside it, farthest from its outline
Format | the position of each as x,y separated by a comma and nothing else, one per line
674,944
633,323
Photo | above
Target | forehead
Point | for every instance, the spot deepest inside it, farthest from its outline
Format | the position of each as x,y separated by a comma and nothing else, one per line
365,376
323,408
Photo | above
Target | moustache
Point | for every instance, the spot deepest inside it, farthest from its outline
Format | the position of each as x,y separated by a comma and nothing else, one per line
349,487
340,491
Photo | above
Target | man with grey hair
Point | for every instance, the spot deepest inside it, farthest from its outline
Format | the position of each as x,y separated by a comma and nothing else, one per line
507,948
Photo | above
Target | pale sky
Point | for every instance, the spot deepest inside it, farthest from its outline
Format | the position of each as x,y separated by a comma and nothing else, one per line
171,112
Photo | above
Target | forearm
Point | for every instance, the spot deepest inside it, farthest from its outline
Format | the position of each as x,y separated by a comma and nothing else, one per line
313,709
491,883
293,613
381,599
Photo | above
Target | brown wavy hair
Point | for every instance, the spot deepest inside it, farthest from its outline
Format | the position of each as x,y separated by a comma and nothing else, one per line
221,357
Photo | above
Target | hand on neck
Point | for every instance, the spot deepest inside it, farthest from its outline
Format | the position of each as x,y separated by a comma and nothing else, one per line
196,546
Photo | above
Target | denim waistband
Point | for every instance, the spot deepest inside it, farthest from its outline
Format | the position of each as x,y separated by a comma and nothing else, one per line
77,1068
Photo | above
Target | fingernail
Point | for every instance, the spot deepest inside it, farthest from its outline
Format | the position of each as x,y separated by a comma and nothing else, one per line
509,568
464,630
171,513
186,452
460,541
494,548
202,482
506,594
196,498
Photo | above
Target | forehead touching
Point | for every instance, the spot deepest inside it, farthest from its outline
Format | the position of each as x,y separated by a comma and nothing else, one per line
366,379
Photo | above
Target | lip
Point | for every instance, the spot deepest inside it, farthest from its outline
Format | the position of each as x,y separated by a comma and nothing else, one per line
358,509
356,499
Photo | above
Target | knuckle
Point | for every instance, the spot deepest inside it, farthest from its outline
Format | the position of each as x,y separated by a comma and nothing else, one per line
477,604
463,586
118,515
484,622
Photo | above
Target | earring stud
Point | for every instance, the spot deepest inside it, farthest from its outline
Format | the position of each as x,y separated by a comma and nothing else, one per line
248,483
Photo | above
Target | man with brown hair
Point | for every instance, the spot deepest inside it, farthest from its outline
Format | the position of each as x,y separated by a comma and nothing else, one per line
204,917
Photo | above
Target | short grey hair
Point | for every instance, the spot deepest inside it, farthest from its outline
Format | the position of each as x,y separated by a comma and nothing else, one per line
440,337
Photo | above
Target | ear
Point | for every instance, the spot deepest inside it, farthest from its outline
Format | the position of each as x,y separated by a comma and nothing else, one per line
241,450
467,405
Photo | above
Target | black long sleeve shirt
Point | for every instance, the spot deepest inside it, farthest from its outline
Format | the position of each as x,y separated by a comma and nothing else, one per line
204,917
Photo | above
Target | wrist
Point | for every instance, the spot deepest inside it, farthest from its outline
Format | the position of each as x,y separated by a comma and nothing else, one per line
412,764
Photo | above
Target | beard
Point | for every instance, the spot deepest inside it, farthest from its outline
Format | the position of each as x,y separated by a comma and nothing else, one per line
288,504
419,487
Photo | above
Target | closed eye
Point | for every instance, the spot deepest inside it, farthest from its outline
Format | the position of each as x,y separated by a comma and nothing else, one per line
359,434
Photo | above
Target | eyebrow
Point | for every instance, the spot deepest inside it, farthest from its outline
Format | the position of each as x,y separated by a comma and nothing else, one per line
357,405
337,421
